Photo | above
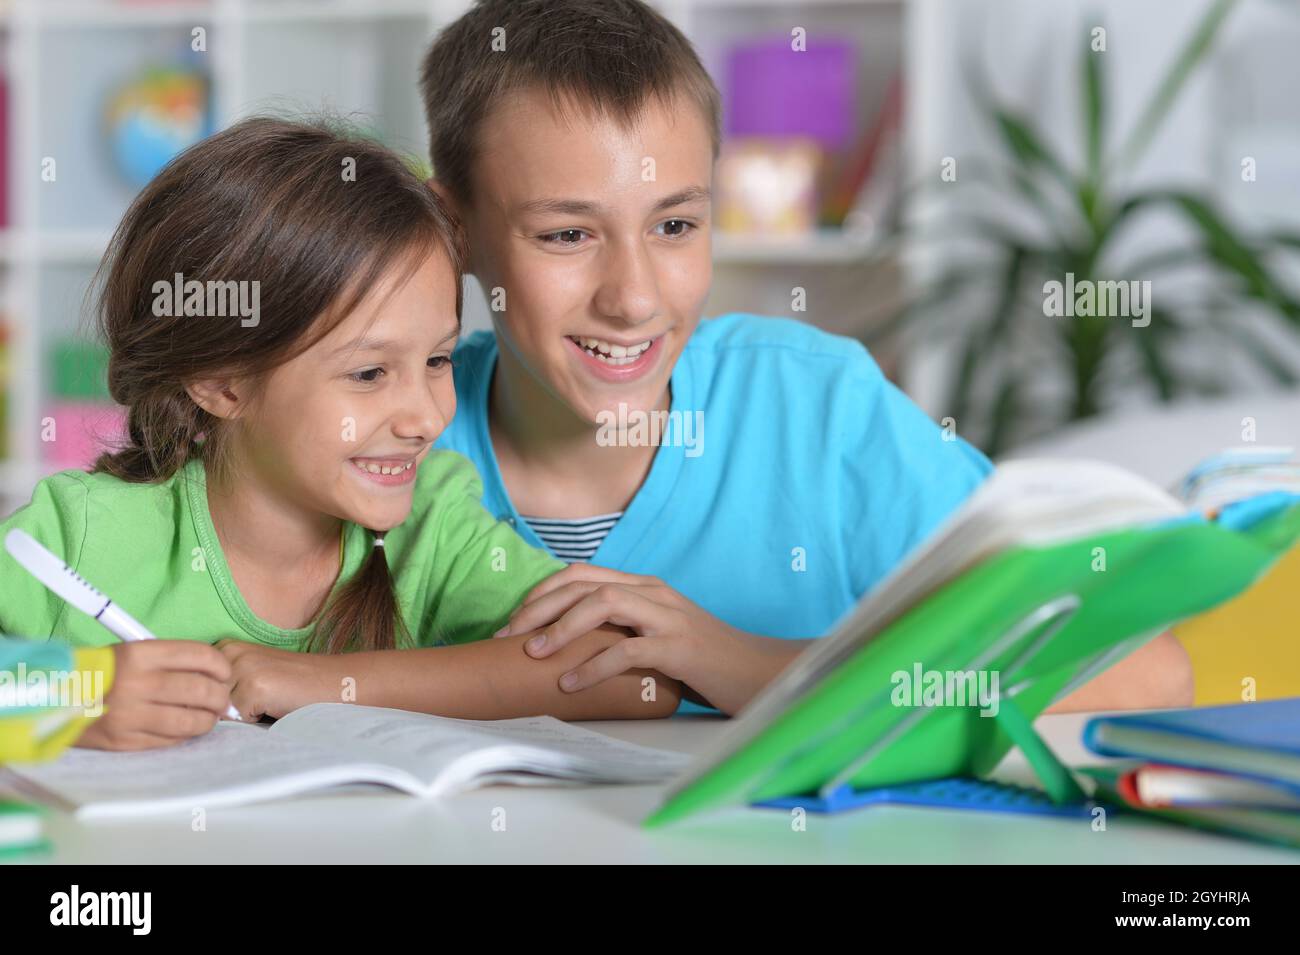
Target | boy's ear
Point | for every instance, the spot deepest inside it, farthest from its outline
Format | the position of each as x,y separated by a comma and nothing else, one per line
450,202
445,195
216,396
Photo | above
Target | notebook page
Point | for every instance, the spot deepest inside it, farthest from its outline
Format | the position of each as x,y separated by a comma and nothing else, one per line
439,750
233,764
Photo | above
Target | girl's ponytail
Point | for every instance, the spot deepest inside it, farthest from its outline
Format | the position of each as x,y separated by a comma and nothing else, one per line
364,615
162,434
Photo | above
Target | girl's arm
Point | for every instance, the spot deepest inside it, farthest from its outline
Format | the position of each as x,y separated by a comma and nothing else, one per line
484,680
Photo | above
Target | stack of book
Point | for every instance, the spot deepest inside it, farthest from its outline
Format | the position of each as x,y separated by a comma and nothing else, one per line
1238,474
1233,769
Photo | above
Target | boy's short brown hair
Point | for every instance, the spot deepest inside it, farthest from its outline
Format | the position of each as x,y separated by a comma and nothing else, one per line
608,55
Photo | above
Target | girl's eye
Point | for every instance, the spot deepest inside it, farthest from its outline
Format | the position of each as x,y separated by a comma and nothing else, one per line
439,362
367,377
565,237
676,228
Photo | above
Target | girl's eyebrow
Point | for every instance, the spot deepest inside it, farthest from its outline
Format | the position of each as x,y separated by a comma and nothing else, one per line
362,344
366,343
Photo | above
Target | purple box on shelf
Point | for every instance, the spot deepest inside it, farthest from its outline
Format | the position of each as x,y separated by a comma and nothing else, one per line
773,90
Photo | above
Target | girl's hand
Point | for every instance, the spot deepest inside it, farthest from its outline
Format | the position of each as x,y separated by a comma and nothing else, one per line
164,692
272,682
724,665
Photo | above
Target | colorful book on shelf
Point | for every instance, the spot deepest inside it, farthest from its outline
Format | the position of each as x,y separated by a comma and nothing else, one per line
1050,573
88,421
4,387
866,164
4,152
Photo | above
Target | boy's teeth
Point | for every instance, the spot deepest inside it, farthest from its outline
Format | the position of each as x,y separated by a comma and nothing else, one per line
610,353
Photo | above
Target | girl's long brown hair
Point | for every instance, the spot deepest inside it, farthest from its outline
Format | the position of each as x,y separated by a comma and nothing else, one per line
315,214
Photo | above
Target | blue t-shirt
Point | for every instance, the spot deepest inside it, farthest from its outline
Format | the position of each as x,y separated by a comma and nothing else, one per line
812,478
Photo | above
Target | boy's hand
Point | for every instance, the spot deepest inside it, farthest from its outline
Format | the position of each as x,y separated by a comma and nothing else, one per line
581,598
272,682
719,662
164,692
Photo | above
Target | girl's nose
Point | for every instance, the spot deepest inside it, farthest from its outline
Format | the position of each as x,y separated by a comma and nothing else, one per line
426,411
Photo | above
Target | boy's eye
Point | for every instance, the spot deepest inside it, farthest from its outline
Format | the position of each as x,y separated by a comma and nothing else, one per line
369,376
565,237
439,362
676,228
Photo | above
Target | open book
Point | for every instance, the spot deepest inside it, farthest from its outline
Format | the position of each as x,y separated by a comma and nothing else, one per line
334,744
1031,502
1034,505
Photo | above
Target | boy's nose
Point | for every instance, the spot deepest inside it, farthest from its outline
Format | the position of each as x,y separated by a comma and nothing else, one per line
629,288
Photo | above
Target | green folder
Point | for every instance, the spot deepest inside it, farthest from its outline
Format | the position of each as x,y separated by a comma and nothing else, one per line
1043,617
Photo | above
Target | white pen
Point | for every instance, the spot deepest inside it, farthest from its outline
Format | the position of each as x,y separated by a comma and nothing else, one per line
68,584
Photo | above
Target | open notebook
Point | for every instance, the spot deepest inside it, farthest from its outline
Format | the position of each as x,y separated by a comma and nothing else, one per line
335,744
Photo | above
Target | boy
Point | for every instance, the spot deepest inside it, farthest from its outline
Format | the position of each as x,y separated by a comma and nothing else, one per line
576,139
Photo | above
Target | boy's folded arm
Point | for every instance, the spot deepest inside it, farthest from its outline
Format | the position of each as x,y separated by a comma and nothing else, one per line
1158,675
496,679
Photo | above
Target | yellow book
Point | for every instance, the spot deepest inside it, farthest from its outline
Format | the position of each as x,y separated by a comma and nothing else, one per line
1246,649
1249,648
36,722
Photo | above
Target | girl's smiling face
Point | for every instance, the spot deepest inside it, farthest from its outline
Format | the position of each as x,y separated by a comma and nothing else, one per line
341,428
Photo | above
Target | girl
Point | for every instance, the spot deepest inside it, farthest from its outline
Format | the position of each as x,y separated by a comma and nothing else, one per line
280,305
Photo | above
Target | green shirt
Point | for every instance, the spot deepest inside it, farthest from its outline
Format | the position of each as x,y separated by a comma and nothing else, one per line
457,571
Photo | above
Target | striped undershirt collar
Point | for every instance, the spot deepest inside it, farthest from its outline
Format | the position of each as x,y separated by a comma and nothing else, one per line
573,539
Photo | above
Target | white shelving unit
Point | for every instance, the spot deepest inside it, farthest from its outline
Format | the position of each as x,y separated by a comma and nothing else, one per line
354,57
62,57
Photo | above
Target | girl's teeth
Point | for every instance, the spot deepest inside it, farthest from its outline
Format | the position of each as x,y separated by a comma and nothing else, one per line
384,469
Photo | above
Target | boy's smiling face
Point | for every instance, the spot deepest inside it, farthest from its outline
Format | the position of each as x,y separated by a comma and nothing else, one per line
599,236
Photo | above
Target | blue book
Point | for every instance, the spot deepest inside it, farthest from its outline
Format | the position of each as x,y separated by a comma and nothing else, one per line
1255,740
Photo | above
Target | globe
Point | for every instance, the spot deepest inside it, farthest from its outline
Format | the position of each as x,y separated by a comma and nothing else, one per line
153,117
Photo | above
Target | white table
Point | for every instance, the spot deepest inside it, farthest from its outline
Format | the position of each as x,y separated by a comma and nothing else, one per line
601,824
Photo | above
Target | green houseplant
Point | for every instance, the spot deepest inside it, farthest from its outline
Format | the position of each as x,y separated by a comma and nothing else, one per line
1081,209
